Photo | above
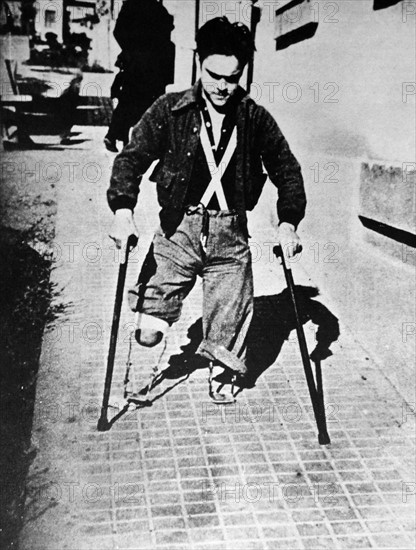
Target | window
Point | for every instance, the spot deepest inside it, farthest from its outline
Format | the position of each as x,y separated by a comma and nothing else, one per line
380,4
50,18
294,22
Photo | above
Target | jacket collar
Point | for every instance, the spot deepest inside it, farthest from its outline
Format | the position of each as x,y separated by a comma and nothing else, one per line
191,96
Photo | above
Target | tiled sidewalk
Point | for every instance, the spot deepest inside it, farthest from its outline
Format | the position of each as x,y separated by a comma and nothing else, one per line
184,473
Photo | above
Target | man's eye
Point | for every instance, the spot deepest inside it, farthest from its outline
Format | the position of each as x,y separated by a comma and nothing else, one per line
214,76
230,79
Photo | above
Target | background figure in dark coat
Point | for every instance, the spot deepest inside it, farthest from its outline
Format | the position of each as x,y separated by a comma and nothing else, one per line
146,64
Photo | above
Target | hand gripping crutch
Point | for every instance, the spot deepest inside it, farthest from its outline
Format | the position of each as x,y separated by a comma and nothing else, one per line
103,423
315,390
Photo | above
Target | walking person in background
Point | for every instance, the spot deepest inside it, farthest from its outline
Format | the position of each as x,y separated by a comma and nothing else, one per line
146,64
211,142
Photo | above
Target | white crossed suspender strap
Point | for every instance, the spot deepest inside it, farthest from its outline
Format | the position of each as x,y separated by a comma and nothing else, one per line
216,171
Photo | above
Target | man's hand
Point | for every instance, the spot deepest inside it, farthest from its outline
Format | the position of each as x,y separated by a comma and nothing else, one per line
289,240
123,227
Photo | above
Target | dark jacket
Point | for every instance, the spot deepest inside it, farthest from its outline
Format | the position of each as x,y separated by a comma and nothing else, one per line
169,131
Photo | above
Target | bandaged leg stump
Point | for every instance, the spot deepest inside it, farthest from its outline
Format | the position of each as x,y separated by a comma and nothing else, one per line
148,355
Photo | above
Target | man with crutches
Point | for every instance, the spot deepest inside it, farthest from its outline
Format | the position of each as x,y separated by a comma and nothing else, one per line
211,142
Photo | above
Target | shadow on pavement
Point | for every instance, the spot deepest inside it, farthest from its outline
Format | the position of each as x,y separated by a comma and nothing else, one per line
273,321
179,368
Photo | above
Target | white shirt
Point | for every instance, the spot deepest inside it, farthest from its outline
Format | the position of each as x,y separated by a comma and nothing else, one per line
216,120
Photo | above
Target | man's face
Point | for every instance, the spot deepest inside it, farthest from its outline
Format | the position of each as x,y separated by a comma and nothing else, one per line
220,75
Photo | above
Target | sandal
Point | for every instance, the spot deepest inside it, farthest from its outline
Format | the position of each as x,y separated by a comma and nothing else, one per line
218,396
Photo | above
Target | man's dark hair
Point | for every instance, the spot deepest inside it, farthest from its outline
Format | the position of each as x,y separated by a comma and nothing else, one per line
220,37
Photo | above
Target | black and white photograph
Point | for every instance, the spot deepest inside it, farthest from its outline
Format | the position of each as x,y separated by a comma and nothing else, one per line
207,274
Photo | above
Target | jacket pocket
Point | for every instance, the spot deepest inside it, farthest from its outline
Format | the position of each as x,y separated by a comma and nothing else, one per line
165,184
163,176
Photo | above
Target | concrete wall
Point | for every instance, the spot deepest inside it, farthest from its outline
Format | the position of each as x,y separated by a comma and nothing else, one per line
16,49
42,7
349,94
346,97
183,37
103,48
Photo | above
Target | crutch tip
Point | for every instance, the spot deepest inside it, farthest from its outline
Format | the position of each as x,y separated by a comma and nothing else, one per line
324,439
103,424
